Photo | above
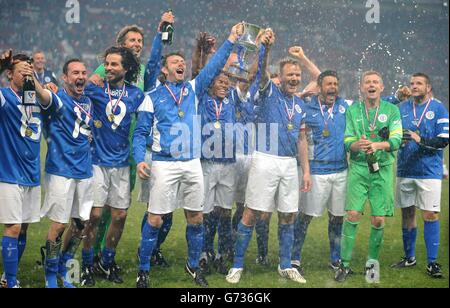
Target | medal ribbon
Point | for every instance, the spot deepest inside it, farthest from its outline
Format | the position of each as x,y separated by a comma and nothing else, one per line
330,112
177,101
423,113
218,109
290,113
39,77
374,123
86,112
118,101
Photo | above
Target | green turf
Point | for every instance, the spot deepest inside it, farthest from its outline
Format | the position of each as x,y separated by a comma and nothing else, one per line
315,257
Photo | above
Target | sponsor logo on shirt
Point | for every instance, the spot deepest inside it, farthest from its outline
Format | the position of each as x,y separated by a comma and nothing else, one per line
116,92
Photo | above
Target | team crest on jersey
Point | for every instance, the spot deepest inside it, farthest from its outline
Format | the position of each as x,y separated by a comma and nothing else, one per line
226,101
430,115
382,118
341,109
47,79
186,92
298,109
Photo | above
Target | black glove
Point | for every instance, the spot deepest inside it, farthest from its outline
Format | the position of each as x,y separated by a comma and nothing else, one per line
384,133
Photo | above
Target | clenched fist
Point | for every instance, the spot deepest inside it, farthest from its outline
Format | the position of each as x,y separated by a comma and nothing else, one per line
297,52
403,93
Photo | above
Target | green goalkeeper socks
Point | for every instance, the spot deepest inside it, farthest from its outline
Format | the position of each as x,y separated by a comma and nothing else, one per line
375,242
348,241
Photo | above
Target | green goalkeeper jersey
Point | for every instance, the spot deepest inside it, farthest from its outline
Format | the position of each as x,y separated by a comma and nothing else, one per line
139,83
359,123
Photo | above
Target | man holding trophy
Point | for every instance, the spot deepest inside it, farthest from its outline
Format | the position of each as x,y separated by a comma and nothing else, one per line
175,164
273,173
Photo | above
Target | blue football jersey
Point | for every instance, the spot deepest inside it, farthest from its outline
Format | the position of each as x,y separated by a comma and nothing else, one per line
279,120
46,77
218,120
176,127
326,149
153,67
20,139
391,99
67,129
112,121
245,121
414,160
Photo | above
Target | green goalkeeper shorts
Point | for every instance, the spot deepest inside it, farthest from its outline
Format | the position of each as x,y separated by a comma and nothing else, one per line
377,187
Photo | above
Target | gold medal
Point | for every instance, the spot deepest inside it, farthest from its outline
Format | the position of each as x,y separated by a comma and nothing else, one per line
111,118
326,133
217,125
98,124
290,126
418,132
181,113
28,132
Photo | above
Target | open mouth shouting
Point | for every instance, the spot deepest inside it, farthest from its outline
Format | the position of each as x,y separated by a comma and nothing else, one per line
331,96
80,85
179,73
372,91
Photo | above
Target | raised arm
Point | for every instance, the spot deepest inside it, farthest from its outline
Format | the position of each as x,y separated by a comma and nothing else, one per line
44,96
215,65
205,47
5,60
298,53
153,67
265,77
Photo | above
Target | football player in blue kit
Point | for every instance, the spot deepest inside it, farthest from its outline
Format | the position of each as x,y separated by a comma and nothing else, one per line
325,119
113,106
167,111
68,168
20,134
419,172
273,173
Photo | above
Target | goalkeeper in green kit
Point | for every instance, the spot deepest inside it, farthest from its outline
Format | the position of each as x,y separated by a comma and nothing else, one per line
373,134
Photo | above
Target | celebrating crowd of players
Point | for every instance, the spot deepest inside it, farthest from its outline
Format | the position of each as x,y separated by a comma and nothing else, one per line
205,144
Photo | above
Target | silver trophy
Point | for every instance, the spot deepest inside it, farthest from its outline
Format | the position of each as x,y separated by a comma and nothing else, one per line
247,53
249,40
